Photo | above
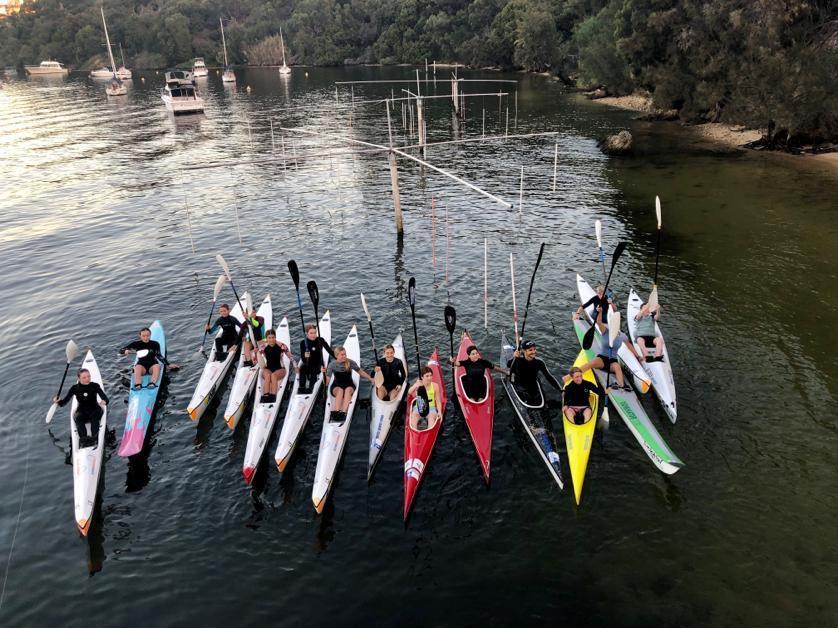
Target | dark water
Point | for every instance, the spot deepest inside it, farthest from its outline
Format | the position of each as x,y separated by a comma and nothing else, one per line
95,244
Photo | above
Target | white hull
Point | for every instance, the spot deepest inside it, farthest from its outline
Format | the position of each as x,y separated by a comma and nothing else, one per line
104,73
125,74
213,374
333,436
228,76
116,91
264,414
300,406
285,70
35,70
245,380
87,462
183,106
382,413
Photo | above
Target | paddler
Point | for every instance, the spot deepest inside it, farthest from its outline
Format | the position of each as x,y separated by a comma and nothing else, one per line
229,338
149,356
394,375
600,303
606,354
645,331
343,386
274,372
91,399
425,411
576,396
524,368
257,324
474,379
311,350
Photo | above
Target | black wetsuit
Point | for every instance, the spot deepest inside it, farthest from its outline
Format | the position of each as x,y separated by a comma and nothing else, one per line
88,409
524,376
393,372
578,395
310,369
600,305
150,359
273,357
474,379
229,336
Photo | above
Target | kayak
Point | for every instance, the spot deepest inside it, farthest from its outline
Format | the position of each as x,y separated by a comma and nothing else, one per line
579,438
629,408
246,376
141,402
478,413
629,360
382,413
333,436
419,444
264,414
534,416
300,405
87,461
659,371
213,374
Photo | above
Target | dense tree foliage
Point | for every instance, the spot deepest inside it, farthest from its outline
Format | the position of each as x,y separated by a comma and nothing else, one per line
767,63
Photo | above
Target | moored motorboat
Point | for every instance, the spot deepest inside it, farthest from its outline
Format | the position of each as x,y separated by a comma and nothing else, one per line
47,68
180,94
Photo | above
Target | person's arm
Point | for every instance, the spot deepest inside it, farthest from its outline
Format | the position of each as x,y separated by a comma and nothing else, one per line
68,396
129,348
549,376
415,386
658,312
360,371
214,328
100,391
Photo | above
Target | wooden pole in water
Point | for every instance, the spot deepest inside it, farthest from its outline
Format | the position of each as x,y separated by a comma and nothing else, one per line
555,164
506,133
485,283
433,233
447,243
284,156
521,192
249,134
516,109
273,143
394,178
484,122
188,219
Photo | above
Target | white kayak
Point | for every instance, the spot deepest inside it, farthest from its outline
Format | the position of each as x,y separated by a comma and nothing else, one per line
660,371
382,413
87,461
264,414
214,372
246,376
300,405
333,436
628,359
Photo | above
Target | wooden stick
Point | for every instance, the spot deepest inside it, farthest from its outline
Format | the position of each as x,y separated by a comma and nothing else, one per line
485,283
521,192
555,163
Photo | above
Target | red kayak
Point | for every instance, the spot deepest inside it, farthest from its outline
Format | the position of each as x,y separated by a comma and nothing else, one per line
419,444
479,413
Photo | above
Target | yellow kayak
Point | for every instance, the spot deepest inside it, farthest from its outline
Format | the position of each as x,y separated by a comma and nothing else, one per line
579,437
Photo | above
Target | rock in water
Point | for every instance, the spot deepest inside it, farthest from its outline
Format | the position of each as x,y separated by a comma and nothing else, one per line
619,144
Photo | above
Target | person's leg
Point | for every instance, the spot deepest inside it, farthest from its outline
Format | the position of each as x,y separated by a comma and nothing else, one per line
587,412
618,373
414,420
338,394
394,394
95,420
155,374
596,363
277,377
381,392
570,413
641,343
267,382
658,346
348,392
139,371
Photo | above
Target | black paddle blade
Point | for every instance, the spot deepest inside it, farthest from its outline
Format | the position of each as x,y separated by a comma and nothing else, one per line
450,319
411,291
295,273
588,338
313,292
618,250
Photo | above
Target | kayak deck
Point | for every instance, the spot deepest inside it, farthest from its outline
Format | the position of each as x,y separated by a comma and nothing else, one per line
479,414
579,438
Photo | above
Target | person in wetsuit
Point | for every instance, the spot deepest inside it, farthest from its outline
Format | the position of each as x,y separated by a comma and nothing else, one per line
339,372
257,324
600,301
424,412
149,357
474,378
89,410
577,396
393,372
229,338
524,369
311,352
274,371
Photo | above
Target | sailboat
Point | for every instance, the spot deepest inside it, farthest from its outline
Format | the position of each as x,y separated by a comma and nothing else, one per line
228,76
123,72
116,87
284,69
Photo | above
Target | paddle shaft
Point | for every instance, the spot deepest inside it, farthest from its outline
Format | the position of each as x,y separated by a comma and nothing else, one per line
416,339
295,277
657,256
317,326
63,378
514,302
209,320
587,341
529,294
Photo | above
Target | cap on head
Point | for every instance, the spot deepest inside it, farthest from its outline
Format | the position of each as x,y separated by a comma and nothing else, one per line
528,344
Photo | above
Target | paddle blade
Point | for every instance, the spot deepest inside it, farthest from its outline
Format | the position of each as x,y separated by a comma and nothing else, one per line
598,229
248,303
219,284
378,379
653,299
223,263
604,420
618,250
450,319
51,412
295,273
313,293
366,309
658,209
72,351
411,291
588,338
613,326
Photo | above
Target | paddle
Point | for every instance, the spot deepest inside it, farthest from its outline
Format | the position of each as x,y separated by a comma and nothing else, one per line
613,332
295,277
451,325
588,340
70,352
529,294
411,297
598,229
653,297
219,284
514,303
220,259
314,295
378,379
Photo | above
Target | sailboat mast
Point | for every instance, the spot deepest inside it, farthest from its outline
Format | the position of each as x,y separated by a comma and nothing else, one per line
223,43
122,54
108,40
282,43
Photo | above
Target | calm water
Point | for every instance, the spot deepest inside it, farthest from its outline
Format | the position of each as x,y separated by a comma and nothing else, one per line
95,244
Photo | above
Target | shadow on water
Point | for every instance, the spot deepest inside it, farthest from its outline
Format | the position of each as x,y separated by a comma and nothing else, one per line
96,534
326,529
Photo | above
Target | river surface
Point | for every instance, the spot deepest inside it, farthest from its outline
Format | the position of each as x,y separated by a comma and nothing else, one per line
96,243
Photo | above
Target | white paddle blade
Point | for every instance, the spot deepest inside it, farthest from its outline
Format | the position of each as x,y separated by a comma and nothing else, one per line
220,259
51,412
72,351
364,304
604,420
378,379
260,359
613,326
658,209
598,229
219,284
248,303
653,299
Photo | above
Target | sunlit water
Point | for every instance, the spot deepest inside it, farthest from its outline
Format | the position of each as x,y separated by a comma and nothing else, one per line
95,244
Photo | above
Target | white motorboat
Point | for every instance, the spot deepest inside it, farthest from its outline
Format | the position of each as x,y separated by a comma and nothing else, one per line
180,94
284,69
46,68
228,76
199,68
102,73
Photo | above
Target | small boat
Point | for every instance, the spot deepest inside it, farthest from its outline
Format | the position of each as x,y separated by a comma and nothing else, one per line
419,444
180,95
228,76
300,405
629,408
246,376
213,374
123,72
534,416
116,86
87,461
382,413
102,73
283,69
333,436
199,68
579,438
659,371
479,414
264,414
141,403
47,68
628,359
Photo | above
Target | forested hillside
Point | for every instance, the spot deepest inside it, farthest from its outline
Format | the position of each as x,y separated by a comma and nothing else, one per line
764,63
